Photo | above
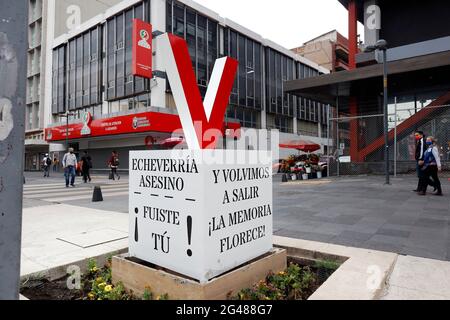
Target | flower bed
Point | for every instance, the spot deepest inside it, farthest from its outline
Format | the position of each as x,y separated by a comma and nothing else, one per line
298,282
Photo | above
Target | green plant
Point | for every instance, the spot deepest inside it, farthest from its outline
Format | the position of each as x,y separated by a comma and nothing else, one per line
325,268
163,297
100,283
148,295
292,284
92,266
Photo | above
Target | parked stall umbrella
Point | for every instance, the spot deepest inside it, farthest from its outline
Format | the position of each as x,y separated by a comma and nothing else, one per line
301,145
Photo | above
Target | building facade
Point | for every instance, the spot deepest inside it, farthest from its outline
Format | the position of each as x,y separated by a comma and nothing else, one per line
35,144
418,63
91,72
329,50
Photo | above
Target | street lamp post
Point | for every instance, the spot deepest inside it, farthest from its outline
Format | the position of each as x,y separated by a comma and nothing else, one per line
67,115
382,46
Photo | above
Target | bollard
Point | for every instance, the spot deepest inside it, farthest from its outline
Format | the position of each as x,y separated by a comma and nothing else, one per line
97,196
284,179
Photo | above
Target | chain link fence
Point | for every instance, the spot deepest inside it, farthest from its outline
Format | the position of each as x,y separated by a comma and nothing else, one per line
359,143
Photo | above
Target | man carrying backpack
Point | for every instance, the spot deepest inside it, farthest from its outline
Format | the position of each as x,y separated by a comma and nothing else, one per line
47,163
114,165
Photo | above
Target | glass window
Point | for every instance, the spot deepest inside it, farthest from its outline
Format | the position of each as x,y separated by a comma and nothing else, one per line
202,53
128,52
124,105
111,63
120,56
72,74
94,66
191,35
279,94
142,101
242,72
115,107
250,72
139,12
234,54
169,16
86,71
61,79
55,82
290,76
212,46
79,73
178,20
258,76
105,109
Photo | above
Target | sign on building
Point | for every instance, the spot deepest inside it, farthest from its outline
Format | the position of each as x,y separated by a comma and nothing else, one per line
142,49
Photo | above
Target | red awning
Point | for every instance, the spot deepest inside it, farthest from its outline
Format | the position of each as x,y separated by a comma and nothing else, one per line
301,145
172,142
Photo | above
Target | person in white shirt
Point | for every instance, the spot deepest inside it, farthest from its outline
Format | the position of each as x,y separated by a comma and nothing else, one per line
46,163
431,165
69,163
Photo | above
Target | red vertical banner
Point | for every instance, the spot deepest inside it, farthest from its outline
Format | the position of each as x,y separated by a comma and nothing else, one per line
142,49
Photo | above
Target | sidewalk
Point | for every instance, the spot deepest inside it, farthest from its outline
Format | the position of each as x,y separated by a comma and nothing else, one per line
56,236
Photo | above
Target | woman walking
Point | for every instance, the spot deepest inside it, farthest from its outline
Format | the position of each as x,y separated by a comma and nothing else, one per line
431,165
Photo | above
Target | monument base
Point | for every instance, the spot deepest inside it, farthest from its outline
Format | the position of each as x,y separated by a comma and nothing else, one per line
137,276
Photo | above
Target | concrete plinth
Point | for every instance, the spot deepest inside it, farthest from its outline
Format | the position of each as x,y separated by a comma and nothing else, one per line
137,277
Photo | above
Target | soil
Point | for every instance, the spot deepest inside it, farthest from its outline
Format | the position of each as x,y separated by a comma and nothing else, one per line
50,290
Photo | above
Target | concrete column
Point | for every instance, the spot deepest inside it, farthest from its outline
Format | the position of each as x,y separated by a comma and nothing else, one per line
13,66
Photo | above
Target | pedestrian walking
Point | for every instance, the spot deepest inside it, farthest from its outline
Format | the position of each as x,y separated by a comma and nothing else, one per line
421,147
47,164
55,164
114,165
69,164
86,166
430,166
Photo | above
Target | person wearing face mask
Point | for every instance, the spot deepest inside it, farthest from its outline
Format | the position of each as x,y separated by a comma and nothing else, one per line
431,165
69,163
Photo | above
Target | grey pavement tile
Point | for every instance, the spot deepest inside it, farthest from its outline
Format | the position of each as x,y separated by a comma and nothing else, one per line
382,246
391,240
348,219
330,229
430,223
425,253
353,235
347,242
394,233
402,220
311,236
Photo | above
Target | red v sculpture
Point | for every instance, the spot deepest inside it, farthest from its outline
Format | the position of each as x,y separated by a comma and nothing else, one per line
202,121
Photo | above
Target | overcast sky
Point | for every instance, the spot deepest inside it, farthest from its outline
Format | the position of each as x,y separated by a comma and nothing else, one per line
289,23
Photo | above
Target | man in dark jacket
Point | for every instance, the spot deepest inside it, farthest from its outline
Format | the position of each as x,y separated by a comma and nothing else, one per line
86,165
421,147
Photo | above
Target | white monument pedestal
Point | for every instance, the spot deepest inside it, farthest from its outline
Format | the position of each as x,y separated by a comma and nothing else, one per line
200,213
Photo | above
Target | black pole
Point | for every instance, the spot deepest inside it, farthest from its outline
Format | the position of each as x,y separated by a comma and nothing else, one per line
67,131
386,115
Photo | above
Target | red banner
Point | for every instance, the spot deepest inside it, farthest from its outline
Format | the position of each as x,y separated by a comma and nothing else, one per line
142,49
134,123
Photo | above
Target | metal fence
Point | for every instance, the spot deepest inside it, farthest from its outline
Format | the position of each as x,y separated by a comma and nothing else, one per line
358,141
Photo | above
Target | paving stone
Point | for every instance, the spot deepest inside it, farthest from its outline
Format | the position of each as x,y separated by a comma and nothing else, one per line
427,222
394,233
